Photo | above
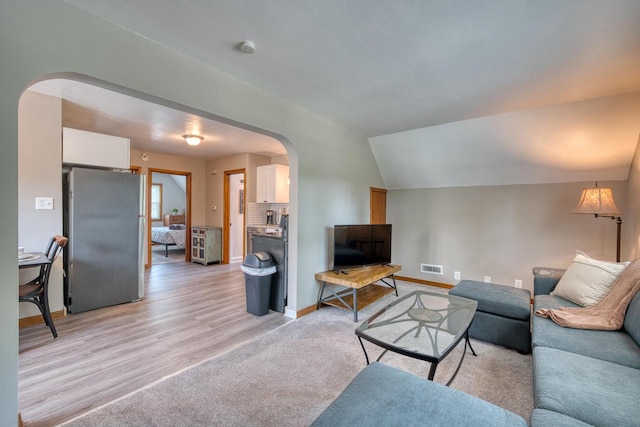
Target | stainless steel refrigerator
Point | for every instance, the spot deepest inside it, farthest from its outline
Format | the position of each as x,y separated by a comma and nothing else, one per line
104,220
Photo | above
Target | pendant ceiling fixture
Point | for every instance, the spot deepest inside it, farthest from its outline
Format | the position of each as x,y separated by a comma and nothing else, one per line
193,139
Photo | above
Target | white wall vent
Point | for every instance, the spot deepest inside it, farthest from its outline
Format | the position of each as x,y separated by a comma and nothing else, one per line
431,269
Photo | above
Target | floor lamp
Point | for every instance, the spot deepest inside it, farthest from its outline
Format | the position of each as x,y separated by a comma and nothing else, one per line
599,202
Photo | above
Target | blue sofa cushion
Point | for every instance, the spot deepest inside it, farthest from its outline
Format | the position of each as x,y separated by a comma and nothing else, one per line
591,390
612,346
381,395
544,418
497,299
632,318
551,301
545,279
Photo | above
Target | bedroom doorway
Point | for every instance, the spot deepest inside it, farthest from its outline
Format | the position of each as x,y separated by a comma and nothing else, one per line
168,216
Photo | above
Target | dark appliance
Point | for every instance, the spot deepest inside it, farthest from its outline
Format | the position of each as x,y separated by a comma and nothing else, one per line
284,225
277,247
360,245
270,217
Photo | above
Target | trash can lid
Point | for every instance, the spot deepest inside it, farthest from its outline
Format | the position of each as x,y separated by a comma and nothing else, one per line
259,272
258,260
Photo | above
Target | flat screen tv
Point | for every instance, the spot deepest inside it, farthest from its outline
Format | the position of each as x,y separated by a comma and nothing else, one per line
360,245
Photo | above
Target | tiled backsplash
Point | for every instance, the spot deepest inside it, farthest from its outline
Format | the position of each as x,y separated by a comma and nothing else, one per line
257,212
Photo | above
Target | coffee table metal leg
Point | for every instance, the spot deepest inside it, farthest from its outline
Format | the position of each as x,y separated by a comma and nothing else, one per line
320,294
394,286
355,305
469,342
466,343
366,356
338,296
432,371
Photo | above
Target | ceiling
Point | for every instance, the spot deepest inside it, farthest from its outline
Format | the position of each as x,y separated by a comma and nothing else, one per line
150,126
455,83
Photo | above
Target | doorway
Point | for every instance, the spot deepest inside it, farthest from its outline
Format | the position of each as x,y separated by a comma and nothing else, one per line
378,206
234,216
168,216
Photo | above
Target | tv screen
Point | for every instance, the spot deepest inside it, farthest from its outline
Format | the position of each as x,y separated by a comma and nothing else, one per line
360,245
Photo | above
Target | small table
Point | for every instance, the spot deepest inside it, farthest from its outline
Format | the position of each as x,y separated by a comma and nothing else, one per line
423,325
39,260
354,279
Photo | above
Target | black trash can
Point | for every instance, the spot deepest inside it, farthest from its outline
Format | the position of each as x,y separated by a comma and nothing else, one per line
259,269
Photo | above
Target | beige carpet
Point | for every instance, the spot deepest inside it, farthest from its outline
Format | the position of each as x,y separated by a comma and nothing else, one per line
290,375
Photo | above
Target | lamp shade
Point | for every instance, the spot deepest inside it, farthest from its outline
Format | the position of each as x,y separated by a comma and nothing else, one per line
597,200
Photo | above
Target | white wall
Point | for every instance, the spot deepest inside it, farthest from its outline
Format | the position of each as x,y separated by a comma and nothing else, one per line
215,182
631,224
332,168
498,231
40,175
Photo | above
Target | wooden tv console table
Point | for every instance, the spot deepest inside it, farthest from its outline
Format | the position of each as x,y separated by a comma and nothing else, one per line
354,279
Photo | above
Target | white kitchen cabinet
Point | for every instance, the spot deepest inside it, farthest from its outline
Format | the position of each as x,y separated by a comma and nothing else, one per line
206,244
84,148
272,184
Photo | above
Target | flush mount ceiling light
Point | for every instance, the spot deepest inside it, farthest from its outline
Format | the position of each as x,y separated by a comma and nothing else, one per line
193,139
247,47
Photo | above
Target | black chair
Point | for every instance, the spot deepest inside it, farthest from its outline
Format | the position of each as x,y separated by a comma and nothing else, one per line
37,290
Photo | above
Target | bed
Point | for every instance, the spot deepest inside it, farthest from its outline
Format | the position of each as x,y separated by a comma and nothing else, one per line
173,233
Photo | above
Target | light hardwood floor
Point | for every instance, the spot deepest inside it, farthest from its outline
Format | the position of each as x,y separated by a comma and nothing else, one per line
158,257
190,313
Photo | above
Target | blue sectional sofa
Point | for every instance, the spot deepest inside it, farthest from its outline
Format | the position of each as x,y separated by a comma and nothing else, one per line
381,395
583,377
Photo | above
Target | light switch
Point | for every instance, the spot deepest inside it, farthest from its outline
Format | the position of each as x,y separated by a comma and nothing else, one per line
45,203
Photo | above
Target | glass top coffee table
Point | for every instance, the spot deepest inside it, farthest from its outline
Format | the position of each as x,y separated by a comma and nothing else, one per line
423,325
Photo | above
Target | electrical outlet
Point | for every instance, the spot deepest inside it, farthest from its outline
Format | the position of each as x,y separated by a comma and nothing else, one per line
487,279
456,275
518,283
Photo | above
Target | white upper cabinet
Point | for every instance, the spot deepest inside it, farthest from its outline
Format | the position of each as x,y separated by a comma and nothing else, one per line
80,147
272,184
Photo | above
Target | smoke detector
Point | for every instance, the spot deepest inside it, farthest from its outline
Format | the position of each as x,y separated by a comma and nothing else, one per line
247,47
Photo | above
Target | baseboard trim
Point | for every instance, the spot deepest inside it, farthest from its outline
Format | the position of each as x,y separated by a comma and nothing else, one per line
306,310
291,314
36,320
425,282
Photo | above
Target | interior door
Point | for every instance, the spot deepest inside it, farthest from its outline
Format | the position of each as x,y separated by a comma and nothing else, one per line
235,204
378,206
236,217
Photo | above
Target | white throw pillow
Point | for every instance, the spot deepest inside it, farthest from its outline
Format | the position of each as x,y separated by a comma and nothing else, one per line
587,280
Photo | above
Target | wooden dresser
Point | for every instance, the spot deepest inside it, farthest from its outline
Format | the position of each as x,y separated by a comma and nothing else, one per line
167,220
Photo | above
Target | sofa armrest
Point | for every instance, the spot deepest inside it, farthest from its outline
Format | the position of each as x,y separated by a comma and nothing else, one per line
545,279
381,395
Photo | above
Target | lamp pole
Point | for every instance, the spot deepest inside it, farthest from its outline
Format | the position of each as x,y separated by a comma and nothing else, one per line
619,226
619,222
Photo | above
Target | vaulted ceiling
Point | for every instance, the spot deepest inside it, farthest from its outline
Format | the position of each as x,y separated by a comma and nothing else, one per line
448,92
